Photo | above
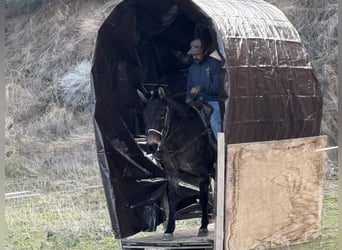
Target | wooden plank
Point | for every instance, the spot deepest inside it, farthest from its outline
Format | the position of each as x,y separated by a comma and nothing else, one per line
21,194
275,193
220,192
183,239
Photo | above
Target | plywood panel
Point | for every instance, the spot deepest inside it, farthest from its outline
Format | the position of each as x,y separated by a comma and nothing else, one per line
275,193
220,194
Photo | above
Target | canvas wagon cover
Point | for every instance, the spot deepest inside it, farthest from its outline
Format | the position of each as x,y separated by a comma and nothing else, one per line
268,90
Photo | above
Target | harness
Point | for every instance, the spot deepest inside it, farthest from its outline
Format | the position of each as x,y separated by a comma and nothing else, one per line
166,126
165,136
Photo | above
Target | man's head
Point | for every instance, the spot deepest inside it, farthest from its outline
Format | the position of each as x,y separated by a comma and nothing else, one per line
197,50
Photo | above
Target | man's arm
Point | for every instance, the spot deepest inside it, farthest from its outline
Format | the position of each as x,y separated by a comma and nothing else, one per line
214,77
193,89
190,81
191,85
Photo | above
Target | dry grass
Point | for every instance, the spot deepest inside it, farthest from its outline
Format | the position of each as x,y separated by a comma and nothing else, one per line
78,219
50,147
60,220
330,103
42,45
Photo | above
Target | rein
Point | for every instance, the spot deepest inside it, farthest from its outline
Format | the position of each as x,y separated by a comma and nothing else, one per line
186,146
155,131
165,136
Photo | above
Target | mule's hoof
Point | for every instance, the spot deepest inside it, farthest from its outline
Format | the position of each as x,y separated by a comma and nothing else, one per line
202,232
167,237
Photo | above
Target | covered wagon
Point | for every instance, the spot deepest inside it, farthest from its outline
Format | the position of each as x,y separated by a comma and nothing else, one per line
268,90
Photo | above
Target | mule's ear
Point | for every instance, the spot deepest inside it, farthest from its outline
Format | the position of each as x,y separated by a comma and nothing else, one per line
142,96
161,92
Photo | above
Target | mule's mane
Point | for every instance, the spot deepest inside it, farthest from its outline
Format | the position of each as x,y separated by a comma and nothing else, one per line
185,112
176,104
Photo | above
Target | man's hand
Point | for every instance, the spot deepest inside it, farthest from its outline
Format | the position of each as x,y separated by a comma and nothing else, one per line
195,90
194,95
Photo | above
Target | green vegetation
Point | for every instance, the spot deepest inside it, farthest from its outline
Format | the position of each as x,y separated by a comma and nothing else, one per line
80,220
60,220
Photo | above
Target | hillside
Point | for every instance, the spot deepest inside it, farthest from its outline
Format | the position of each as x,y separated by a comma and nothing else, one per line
53,183
47,40
49,46
46,45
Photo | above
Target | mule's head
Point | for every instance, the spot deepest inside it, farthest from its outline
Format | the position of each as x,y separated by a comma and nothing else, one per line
156,114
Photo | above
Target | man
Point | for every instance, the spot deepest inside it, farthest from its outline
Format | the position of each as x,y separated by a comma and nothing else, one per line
203,81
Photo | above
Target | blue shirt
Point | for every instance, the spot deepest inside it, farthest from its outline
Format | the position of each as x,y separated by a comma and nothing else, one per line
206,74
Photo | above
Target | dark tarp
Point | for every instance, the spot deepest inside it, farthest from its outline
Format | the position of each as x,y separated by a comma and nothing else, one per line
268,90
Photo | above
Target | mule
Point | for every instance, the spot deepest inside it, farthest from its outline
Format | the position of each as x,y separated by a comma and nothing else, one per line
182,148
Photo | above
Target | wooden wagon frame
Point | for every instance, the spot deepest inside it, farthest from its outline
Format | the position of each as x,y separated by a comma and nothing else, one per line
285,180
268,93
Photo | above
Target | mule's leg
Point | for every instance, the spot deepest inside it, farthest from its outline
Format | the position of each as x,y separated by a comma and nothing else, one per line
204,190
172,199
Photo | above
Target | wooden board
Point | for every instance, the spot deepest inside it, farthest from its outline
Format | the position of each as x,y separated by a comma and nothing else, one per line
183,239
275,193
220,194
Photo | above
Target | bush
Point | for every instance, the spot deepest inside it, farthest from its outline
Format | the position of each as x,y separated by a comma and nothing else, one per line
74,88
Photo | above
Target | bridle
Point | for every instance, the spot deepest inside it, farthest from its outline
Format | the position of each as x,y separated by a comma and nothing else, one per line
165,130
164,134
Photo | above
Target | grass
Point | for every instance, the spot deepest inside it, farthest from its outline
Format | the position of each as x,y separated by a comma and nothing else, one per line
328,239
61,220
79,219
